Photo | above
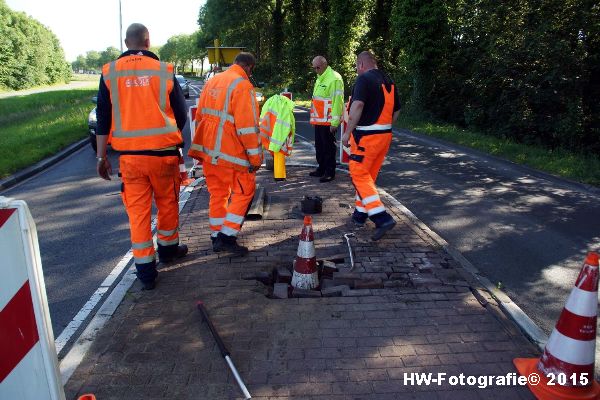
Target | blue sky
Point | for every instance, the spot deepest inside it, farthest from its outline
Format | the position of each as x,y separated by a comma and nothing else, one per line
94,25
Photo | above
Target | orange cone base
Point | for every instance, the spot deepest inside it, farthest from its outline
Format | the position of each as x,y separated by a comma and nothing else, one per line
543,391
87,397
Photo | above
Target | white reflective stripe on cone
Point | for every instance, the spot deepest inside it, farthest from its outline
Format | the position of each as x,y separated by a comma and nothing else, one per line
305,281
577,352
583,303
306,249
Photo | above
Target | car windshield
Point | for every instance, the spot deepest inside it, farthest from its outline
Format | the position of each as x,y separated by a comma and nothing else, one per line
180,79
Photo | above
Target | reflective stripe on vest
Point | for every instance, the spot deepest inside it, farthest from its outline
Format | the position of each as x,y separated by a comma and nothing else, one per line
220,129
320,110
224,117
163,74
384,121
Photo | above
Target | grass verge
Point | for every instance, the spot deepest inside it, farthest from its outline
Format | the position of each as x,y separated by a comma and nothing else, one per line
36,126
578,167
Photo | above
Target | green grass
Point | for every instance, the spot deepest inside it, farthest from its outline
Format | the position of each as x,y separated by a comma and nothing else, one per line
584,168
36,126
85,77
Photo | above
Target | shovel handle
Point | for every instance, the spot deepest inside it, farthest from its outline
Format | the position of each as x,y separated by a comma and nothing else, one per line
213,330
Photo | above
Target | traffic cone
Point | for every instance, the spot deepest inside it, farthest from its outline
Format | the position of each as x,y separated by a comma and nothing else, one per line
305,265
87,397
185,179
566,368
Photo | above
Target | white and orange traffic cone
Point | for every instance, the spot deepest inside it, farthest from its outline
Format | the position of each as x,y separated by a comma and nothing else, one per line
566,368
185,179
305,266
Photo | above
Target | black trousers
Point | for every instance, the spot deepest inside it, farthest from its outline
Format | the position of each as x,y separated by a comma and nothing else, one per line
325,148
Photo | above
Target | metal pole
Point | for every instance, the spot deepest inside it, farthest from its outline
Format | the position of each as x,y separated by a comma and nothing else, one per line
347,236
121,26
223,349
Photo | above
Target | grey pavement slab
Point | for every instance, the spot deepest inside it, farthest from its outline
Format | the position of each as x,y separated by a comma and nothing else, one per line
360,345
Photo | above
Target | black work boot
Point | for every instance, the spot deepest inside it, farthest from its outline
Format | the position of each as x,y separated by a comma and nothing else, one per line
181,252
229,244
382,229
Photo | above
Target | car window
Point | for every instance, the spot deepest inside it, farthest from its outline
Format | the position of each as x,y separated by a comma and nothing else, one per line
180,79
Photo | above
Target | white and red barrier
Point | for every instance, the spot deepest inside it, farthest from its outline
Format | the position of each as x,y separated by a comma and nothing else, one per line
28,361
344,154
192,117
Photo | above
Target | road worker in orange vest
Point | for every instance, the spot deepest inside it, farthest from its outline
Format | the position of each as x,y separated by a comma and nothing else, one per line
226,141
374,107
142,104
326,115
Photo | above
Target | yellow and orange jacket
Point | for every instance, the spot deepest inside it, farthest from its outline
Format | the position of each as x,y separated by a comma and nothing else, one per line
327,99
227,122
278,124
142,116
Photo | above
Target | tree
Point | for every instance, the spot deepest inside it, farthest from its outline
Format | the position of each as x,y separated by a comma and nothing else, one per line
30,54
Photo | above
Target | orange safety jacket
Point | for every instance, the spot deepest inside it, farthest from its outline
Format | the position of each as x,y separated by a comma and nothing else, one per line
142,117
384,121
327,99
227,122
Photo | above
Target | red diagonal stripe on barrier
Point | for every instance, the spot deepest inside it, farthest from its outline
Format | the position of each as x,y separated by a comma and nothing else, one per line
18,330
5,214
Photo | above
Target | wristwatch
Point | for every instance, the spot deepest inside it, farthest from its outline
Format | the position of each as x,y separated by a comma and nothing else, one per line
100,159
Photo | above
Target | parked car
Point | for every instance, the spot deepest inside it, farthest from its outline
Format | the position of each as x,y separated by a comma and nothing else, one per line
185,85
92,125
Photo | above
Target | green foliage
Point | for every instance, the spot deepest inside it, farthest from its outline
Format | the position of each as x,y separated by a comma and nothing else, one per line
347,24
30,54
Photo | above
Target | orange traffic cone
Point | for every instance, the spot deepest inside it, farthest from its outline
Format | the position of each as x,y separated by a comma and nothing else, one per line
87,397
566,369
305,266
185,179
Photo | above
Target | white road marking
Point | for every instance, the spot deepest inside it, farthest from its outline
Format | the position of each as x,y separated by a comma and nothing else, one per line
73,358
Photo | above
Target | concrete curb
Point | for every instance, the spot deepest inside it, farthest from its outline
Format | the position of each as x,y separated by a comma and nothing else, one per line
42,165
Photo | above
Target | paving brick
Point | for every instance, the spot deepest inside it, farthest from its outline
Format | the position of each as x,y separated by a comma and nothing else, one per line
334,291
280,290
357,346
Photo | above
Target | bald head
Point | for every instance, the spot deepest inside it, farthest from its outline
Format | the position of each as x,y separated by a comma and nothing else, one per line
365,61
319,64
137,37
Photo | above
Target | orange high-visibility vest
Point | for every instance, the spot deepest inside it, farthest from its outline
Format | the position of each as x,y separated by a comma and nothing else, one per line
384,121
227,122
142,117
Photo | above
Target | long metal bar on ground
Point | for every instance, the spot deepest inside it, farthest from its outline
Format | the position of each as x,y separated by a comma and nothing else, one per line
224,351
257,207
347,236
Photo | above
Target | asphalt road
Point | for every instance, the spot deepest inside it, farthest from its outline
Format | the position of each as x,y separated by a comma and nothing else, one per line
528,230
82,227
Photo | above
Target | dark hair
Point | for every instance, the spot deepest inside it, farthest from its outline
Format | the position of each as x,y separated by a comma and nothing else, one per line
245,59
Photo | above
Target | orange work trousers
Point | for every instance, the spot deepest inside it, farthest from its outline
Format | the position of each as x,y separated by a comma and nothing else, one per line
231,193
365,162
144,177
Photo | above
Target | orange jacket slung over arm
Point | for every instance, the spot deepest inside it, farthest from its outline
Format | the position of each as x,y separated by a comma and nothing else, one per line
227,122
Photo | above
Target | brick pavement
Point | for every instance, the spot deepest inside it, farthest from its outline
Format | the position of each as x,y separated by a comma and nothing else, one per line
420,316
